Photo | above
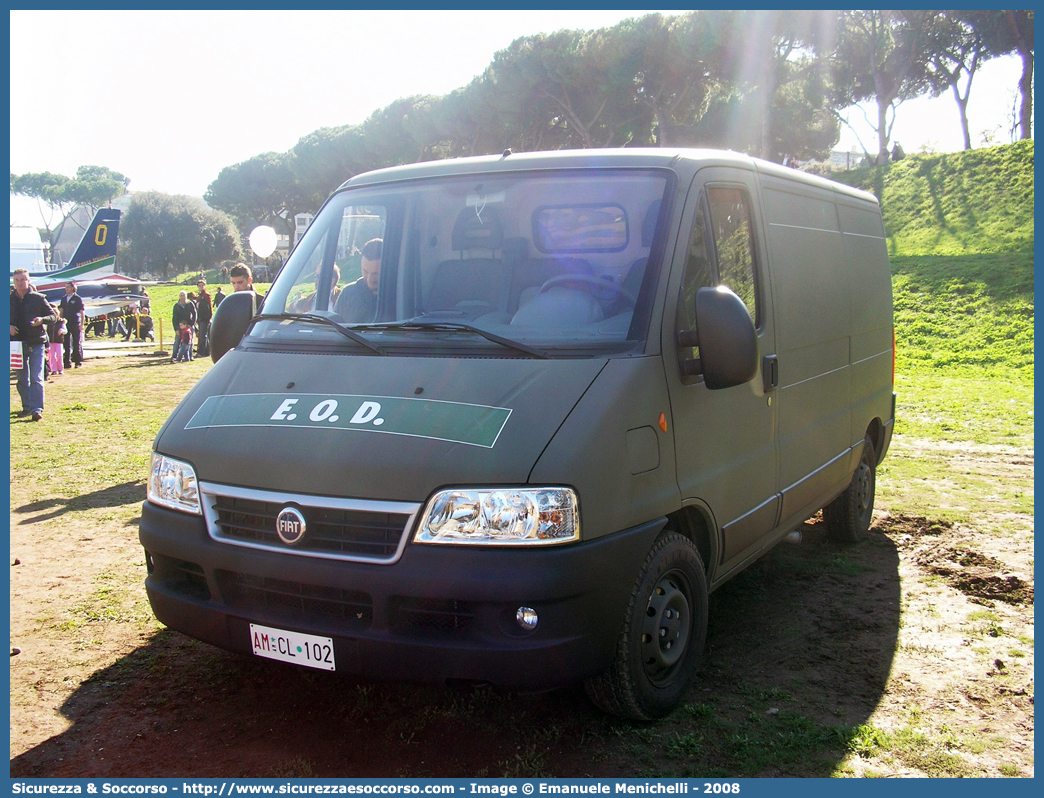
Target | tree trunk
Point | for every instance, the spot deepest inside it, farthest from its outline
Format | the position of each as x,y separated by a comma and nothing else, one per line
962,107
1026,89
882,130
1026,81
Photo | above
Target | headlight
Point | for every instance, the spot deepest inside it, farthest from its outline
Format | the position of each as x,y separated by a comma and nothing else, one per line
501,517
172,484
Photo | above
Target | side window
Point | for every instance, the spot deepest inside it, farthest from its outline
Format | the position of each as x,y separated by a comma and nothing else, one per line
733,233
698,275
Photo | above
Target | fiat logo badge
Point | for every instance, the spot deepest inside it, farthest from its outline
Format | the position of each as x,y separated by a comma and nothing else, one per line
290,526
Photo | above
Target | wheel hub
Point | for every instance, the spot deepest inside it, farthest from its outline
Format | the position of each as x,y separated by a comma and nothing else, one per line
665,633
863,487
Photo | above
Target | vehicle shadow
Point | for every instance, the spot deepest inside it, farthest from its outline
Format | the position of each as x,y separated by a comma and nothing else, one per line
799,651
112,496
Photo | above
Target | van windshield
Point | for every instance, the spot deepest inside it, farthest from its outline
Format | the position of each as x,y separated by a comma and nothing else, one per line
555,261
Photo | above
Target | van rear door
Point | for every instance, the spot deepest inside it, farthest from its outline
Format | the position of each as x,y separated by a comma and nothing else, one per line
725,439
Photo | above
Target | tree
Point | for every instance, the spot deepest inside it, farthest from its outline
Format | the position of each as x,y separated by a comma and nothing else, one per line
961,57
564,89
772,85
48,189
402,132
1011,32
674,73
1020,23
166,234
883,56
95,186
326,158
92,187
261,190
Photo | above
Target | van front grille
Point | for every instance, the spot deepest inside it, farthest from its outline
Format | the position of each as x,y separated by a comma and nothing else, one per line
331,531
250,593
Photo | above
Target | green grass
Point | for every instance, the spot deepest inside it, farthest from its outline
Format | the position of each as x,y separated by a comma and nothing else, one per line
956,203
965,409
968,315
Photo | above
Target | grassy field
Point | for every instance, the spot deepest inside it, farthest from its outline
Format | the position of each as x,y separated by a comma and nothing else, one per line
163,298
798,678
903,655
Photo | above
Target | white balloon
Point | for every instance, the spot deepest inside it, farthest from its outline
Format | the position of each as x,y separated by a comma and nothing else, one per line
263,240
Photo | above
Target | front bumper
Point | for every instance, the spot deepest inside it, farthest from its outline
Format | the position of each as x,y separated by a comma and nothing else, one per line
440,613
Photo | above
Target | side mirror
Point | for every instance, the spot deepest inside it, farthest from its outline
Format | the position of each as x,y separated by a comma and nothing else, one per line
230,322
726,337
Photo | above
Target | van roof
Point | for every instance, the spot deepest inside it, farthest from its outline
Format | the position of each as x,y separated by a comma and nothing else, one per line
632,157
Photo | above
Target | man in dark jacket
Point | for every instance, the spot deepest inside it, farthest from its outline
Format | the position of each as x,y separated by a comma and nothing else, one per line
71,308
184,311
29,313
204,313
358,301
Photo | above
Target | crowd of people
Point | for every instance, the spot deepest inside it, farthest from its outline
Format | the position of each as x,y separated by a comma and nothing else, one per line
51,338
51,335
194,310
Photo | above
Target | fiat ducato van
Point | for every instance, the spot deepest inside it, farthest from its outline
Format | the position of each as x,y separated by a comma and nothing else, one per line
508,420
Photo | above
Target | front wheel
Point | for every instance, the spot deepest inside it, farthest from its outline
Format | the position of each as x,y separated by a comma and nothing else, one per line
663,634
848,516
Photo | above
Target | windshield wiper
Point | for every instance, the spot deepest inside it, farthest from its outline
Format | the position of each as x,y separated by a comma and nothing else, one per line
317,319
459,326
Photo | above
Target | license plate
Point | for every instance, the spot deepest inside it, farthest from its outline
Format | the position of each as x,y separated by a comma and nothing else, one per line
294,647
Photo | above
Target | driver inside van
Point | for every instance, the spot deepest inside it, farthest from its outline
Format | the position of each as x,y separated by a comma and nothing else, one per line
357,303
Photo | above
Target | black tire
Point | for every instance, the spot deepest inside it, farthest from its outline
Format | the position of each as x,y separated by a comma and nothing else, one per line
663,634
848,516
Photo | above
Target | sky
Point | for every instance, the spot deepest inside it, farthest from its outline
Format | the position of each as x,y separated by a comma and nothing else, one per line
169,98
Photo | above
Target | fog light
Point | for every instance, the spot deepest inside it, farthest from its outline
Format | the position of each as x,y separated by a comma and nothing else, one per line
527,618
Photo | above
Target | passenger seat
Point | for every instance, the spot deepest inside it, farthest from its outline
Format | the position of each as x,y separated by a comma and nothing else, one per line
474,282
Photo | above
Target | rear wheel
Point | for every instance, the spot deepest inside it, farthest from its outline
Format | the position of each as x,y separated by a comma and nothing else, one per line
663,634
848,516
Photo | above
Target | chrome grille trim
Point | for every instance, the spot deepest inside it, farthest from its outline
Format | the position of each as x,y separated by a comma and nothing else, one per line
209,490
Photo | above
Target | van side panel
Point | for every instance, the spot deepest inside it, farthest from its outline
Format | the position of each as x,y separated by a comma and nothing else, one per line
812,301
866,250
613,450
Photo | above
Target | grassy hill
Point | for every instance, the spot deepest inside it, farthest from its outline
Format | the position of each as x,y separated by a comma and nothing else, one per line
960,237
957,203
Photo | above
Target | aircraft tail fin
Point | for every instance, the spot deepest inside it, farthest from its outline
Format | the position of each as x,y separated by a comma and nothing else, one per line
99,241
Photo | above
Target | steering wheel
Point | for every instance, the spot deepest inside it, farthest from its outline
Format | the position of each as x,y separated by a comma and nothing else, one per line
587,281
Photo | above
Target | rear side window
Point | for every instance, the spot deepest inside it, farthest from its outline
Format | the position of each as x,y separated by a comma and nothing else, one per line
580,228
733,232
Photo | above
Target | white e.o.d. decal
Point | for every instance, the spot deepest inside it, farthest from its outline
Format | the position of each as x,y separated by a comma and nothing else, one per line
324,411
366,413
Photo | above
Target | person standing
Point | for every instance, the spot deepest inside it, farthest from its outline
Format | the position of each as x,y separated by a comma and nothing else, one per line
29,313
243,280
218,296
184,312
56,335
71,308
204,313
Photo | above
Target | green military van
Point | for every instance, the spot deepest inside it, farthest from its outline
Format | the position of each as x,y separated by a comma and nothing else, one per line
508,420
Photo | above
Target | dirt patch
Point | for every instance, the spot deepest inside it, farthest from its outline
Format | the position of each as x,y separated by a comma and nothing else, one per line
975,574
910,653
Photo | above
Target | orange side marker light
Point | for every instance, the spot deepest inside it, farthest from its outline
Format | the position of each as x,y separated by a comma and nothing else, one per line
663,422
